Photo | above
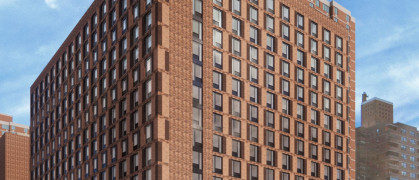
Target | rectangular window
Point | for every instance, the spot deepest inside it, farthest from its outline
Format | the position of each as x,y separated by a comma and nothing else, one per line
217,80
314,64
286,51
286,162
236,87
217,59
254,33
218,101
300,76
217,143
270,81
313,46
270,6
236,6
285,13
270,40
313,81
218,122
235,67
270,100
300,58
339,43
236,107
326,36
236,148
270,62
253,54
313,29
326,53
253,74
285,31
236,168
217,163
217,38
300,21
300,39
285,87
236,26
253,15
253,133
269,22
217,16
235,128
286,106
269,119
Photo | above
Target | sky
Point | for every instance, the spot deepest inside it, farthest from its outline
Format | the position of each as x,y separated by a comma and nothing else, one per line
387,52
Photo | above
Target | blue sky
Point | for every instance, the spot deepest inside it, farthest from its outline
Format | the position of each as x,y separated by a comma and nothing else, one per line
387,52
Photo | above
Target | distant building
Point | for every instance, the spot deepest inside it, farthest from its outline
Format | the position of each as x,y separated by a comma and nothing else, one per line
385,150
14,149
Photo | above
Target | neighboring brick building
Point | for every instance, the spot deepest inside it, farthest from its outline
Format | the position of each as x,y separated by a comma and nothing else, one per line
157,89
385,150
14,150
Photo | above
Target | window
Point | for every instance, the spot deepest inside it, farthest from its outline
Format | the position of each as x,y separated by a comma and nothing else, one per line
218,122
313,81
270,6
313,151
253,113
197,8
235,169
270,62
148,21
236,87
253,133
339,93
236,126
339,43
313,28
326,87
313,99
327,72
235,67
300,21
300,76
217,59
314,64
253,54
326,36
339,161
326,53
339,77
269,119
269,22
148,43
286,50
326,8
339,60
217,17
313,46
235,104
253,172
326,104
217,143
254,33
300,111
236,6
326,138
315,171
286,106
286,162
197,29
253,74
217,38
270,42
285,176
254,153
327,122
217,80
300,39
285,69
236,26
197,51
285,87
218,101
236,148
217,162
299,129
218,2
339,126
285,32
285,13
300,58
253,15
270,81
300,166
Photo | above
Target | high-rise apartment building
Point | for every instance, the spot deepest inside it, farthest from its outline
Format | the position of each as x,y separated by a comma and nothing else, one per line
199,89
14,149
385,150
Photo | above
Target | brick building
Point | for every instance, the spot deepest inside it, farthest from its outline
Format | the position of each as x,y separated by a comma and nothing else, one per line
385,150
14,149
155,89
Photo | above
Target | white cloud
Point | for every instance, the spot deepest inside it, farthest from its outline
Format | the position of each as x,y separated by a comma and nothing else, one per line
51,3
